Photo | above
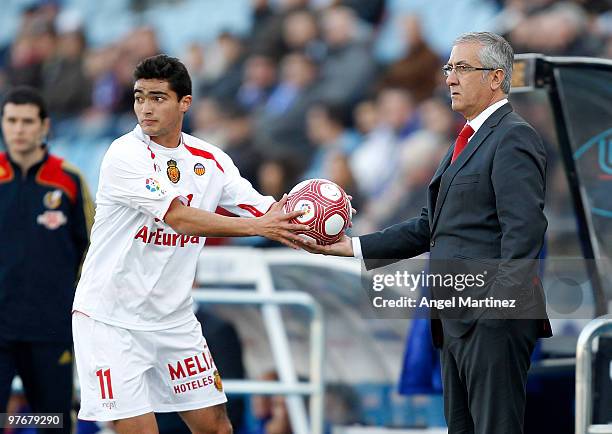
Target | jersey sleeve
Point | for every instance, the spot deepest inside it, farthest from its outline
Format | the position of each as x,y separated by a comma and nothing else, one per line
238,196
132,181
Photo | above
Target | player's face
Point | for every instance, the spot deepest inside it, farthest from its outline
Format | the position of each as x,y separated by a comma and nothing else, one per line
22,127
471,91
157,107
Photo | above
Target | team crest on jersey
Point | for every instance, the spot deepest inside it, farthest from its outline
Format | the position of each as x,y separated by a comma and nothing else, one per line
199,169
52,199
174,174
218,382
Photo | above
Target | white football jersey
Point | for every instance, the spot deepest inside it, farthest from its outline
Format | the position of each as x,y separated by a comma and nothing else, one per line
138,272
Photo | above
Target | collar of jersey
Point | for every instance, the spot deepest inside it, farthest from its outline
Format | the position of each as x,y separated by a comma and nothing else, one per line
140,135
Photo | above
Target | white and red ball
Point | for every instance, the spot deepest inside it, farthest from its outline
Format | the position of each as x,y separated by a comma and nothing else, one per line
328,209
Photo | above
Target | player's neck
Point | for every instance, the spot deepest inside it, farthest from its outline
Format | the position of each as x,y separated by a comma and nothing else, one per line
170,140
25,160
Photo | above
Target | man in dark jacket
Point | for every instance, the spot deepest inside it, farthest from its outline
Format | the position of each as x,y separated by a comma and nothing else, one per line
45,217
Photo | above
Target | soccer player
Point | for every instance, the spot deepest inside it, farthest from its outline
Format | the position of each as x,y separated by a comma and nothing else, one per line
45,217
139,348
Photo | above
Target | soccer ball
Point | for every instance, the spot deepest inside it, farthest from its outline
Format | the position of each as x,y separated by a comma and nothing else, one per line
328,210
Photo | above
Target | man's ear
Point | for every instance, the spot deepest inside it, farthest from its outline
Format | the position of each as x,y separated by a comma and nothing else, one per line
185,103
46,126
498,79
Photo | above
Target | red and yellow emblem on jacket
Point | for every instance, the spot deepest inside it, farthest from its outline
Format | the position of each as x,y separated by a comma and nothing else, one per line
174,174
52,199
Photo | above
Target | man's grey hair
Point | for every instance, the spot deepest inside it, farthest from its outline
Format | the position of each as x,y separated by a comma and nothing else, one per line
496,53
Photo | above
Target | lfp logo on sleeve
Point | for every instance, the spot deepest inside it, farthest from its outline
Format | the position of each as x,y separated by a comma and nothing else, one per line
154,186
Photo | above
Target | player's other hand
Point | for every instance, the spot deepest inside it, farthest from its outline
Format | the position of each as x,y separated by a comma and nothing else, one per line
275,225
342,247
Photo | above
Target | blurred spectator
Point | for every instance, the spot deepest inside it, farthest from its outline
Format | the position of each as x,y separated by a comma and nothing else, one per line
106,91
375,162
280,123
277,176
338,170
206,122
224,83
417,160
301,33
139,44
270,411
560,29
238,126
65,84
365,116
30,50
342,408
327,131
279,422
348,66
258,81
419,69
261,12
370,11
110,70
268,33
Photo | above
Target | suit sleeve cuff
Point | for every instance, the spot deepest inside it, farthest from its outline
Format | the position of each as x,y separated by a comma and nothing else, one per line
357,248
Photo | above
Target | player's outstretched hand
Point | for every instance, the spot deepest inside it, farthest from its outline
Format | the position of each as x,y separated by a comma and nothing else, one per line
342,247
275,225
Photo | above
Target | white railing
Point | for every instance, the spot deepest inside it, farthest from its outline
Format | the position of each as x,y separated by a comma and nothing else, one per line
584,377
289,385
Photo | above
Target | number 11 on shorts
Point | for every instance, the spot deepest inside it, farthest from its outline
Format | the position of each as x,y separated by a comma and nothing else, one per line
102,375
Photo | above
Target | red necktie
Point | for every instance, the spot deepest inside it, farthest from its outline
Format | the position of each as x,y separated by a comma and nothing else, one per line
462,141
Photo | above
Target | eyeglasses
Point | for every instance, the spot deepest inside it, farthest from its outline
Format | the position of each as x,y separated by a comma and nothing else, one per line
462,69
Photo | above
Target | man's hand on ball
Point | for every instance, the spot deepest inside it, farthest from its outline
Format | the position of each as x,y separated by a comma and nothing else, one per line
342,247
275,225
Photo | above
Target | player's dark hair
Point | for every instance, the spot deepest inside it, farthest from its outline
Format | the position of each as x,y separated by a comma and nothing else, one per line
21,95
165,68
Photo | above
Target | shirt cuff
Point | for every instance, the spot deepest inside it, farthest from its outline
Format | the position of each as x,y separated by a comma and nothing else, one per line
356,248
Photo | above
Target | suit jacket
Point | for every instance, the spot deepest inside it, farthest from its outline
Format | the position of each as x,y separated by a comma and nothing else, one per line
486,207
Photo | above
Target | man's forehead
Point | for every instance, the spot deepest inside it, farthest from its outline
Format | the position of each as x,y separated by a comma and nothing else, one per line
22,110
466,52
152,86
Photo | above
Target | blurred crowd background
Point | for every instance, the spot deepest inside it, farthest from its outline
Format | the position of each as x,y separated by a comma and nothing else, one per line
348,90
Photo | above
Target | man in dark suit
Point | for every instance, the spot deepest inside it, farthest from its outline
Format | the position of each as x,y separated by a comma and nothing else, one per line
484,209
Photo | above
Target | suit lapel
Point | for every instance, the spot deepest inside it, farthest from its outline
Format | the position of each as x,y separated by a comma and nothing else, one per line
434,185
449,174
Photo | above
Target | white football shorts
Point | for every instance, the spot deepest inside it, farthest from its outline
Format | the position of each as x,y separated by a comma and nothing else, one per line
125,373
